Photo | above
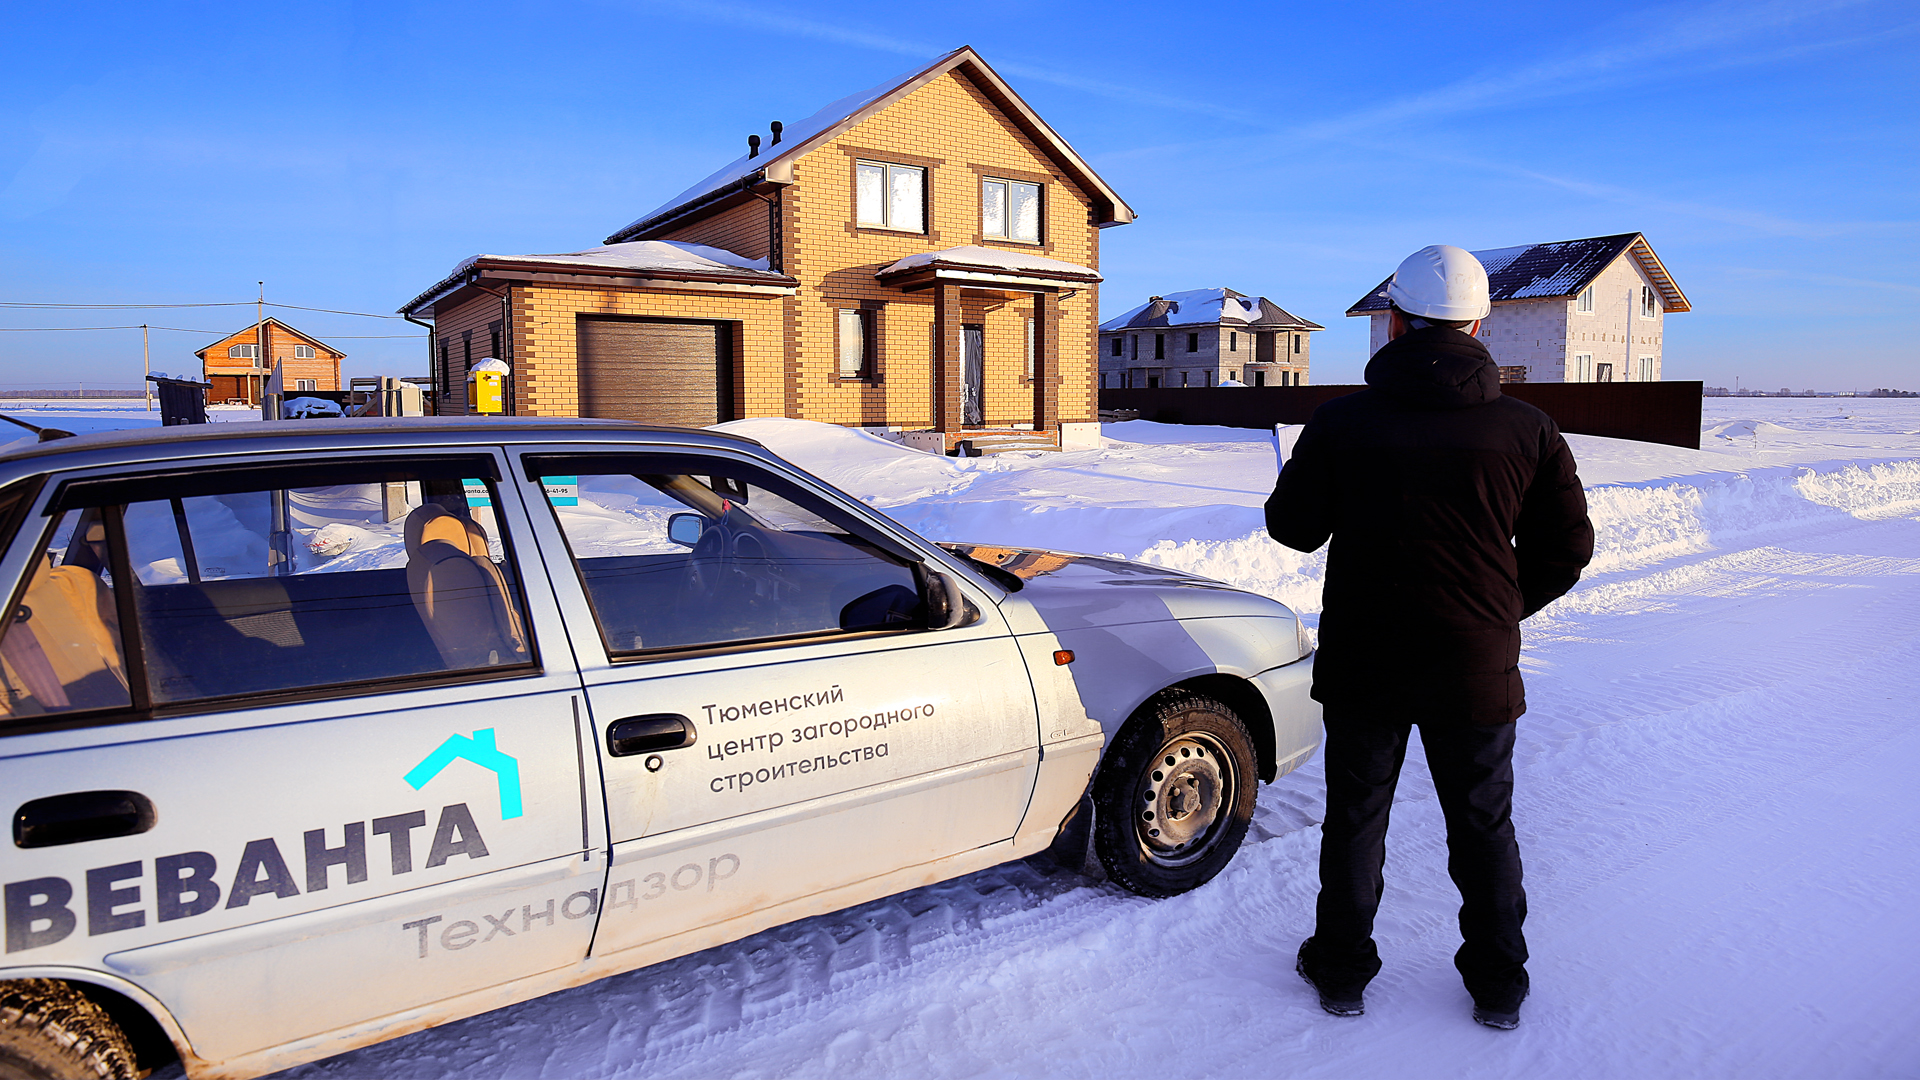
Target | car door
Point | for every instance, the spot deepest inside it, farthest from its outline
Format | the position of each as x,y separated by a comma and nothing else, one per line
775,721
291,744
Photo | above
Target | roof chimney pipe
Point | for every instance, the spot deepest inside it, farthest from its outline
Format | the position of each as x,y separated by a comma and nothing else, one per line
778,127
753,146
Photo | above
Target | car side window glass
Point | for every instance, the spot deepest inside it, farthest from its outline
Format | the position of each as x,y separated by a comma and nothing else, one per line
61,648
269,581
676,551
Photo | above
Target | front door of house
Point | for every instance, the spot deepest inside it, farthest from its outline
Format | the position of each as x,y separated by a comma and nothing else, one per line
973,364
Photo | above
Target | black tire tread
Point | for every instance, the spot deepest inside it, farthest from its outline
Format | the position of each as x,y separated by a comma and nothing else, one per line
1143,734
51,1031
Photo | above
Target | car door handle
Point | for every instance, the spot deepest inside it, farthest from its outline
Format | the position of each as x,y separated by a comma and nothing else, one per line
79,816
646,734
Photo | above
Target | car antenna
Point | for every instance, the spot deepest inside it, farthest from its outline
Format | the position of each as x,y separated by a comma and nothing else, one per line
47,434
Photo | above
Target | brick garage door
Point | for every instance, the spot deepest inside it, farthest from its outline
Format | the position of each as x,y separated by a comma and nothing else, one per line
653,372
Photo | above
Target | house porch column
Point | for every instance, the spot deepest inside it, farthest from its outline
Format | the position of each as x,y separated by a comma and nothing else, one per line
947,348
1046,361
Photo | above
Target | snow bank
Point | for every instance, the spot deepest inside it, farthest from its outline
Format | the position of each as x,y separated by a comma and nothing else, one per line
1192,498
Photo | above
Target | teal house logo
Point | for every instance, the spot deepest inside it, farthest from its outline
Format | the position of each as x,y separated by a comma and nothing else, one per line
479,749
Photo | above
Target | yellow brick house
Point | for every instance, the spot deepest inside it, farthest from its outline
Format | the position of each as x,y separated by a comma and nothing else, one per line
920,259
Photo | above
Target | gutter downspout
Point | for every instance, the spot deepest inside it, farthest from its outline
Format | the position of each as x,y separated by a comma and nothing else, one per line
433,356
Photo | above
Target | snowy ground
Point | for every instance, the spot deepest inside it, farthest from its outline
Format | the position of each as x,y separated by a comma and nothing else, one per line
1715,806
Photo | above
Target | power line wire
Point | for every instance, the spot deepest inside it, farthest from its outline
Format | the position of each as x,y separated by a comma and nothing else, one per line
135,326
110,307
237,303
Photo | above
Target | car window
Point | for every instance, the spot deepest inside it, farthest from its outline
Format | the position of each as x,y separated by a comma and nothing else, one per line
680,551
271,580
61,648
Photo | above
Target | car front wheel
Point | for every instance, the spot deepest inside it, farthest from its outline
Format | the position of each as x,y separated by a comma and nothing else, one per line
1174,795
50,1031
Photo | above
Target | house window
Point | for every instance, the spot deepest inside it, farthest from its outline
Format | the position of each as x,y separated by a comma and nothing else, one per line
1583,303
1297,339
1116,346
1259,378
244,352
1010,210
303,352
1233,341
891,196
1581,369
1647,373
1649,301
1209,376
1193,342
1032,341
1159,346
1603,373
305,384
856,343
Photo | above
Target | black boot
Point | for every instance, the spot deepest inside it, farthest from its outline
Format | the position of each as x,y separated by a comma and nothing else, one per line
1337,999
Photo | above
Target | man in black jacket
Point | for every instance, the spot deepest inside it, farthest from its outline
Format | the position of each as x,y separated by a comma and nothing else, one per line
1454,513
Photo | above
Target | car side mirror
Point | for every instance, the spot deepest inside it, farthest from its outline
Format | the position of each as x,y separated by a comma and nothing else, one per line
686,529
947,606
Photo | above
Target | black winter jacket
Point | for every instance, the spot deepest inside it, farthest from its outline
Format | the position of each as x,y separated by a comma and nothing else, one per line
1454,511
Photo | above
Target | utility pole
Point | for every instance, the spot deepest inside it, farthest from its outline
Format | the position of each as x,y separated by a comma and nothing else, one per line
260,345
146,364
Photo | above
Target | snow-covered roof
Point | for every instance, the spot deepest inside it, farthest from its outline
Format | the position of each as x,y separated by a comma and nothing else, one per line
996,260
775,163
651,258
1553,270
1206,307
647,255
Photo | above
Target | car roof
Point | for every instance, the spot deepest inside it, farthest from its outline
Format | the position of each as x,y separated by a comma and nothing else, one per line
319,434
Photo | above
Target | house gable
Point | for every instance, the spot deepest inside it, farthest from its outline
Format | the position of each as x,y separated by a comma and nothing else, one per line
251,336
748,177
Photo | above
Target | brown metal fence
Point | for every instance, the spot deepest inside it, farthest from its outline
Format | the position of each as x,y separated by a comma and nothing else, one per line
1657,412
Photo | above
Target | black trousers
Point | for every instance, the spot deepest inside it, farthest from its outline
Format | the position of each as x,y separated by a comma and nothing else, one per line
1473,773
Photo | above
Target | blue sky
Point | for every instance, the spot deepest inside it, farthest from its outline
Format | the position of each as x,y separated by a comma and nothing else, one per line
350,154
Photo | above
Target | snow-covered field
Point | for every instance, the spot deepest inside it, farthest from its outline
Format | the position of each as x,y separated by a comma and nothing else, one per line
1716,806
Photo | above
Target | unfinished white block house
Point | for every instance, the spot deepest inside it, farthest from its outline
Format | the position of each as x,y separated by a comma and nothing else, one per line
1588,310
1205,337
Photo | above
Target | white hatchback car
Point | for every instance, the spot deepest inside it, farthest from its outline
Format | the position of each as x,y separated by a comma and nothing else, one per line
320,733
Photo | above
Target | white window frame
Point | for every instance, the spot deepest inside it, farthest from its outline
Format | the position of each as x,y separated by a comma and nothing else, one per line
303,352
1007,191
302,385
1032,343
243,352
1583,301
864,215
1581,368
1649,302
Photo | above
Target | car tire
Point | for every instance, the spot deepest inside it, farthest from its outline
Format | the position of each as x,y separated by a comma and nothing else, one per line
50,1031
1174,795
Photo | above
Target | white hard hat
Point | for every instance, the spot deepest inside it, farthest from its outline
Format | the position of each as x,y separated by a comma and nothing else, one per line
1441,281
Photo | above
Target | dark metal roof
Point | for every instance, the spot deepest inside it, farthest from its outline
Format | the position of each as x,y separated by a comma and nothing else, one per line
1553,271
